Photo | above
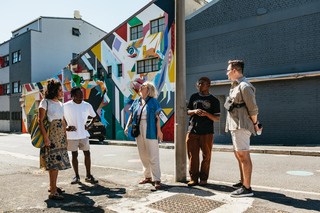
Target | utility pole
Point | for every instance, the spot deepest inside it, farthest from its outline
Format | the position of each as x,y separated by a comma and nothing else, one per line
180,110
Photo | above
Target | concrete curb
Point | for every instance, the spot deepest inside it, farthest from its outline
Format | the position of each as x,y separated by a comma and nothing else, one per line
228,148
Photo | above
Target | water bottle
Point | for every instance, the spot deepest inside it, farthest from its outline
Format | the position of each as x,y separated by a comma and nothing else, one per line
259,132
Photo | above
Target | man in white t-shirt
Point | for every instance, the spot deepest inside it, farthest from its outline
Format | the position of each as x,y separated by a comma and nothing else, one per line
76,113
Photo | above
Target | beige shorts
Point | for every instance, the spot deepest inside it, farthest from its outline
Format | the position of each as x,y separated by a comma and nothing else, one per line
82,144
241,139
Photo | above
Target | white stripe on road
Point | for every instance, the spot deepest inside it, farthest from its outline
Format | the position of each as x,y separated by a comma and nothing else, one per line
21,156
36,158
268,188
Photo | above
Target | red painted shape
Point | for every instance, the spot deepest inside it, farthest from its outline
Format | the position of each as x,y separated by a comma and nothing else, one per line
1,61
60,77
1,89
122,32
168,129
28,88
172,37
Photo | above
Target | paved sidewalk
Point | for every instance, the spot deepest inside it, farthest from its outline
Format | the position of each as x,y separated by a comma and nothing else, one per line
280,150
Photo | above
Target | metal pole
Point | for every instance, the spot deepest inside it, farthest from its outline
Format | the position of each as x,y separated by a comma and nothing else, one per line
180,93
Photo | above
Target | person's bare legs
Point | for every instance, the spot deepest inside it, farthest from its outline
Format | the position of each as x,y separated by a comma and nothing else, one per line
245,165
87,162
240,167
75,163
53,175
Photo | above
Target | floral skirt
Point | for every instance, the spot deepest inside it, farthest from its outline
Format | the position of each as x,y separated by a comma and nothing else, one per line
55,157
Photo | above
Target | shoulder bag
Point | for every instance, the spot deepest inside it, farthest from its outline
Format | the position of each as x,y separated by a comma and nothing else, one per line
135,131
34,129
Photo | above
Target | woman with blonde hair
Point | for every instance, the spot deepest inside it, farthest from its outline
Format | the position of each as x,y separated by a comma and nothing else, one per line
150,130
54,156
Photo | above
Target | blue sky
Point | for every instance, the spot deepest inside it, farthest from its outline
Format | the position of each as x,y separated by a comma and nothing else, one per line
104,14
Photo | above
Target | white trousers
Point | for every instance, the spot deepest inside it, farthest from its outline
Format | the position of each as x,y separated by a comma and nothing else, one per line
149,153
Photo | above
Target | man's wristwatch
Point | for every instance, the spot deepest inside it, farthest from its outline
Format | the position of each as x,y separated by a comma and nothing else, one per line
255,123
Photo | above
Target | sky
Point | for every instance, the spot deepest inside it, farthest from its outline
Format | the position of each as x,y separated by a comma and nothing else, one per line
104,14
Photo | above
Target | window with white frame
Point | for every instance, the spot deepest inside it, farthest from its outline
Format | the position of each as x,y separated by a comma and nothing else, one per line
157,25
16,87
6,89
136,32
5,60
16,56
109,74
119,70
147,65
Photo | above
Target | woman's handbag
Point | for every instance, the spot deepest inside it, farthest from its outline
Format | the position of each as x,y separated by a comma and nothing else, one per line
135,131
34,129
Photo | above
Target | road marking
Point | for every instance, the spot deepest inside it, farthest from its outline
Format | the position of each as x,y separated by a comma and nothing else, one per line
28,157
109,155
300,173
224,183
134,160
6,145
17,155
267,188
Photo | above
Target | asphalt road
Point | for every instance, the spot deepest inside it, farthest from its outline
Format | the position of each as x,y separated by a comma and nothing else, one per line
285,183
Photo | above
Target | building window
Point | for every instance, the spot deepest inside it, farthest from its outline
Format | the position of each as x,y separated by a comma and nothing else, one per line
119,70
100,73
74,55
6,89
16,87
157,25
109,75
4,115
5,60
91,75
16,56
16,115
76,32
148,65
136,32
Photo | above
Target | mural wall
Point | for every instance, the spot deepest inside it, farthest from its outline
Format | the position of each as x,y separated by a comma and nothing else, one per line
108,72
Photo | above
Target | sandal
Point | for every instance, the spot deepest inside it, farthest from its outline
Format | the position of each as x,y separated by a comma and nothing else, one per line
59,190
146,180
157,184
56,197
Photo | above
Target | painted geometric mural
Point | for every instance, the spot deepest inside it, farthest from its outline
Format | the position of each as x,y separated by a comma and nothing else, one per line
110,93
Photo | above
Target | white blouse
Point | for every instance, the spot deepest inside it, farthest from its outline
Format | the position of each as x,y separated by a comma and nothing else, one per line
144,113
54,110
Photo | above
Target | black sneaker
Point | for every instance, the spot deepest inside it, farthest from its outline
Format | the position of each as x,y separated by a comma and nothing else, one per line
91,179
237,185
242,192
75,180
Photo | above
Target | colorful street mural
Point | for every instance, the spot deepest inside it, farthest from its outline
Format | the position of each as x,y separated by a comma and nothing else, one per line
107,73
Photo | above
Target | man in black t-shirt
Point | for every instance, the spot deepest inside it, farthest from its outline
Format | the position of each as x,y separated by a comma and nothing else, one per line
203,108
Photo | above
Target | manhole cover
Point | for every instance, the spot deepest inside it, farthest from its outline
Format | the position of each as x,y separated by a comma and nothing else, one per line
185,203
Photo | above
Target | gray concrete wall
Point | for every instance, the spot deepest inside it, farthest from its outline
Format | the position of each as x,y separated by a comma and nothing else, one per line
272,37
20,71
52,48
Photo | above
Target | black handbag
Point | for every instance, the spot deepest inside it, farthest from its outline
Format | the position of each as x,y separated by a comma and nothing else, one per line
135,131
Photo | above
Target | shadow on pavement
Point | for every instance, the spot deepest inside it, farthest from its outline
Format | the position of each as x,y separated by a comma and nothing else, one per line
80,201
97,190
198,191
306,204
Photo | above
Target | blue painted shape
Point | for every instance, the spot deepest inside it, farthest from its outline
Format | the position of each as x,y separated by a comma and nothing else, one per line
300,173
